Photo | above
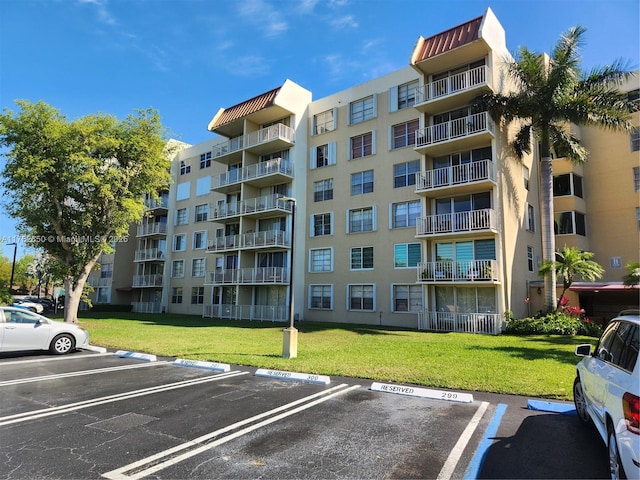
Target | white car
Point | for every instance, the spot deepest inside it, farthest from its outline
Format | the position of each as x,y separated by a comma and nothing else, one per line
22,330
606,392
33,306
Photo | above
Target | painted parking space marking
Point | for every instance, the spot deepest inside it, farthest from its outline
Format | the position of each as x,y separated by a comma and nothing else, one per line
172,456
423,392
78,373
454,456
56,359
294,376
181,362
473,469
47,412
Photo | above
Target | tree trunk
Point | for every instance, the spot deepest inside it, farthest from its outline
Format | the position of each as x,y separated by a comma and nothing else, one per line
547,220
73,288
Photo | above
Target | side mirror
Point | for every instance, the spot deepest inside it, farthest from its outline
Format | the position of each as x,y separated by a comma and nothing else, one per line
583,350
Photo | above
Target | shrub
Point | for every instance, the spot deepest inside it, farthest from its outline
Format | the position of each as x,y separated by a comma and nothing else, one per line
555,323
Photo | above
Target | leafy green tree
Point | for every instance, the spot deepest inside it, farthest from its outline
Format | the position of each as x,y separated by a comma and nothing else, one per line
551,93
570,264
632,278
22,276
5,270
76,185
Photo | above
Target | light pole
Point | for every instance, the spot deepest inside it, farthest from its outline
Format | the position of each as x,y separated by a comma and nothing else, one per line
290,334
13,265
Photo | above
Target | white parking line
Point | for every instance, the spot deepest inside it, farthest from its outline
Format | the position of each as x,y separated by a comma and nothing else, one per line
46,412
194,447
54,359
454,456
79,373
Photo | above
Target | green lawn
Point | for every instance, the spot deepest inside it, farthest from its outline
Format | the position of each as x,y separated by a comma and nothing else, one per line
537,366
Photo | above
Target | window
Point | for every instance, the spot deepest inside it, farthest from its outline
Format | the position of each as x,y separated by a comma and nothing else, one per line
636,179
183,191
324,122
199,240
362,258
404,214
182,216
361,146
638,217
176,295
321,297
106,270
361,297
531,224
103,295
407,298
360,220
197,267
635,140
322,155
321,224
362,182
177,269
202,213
184,168
525,173
406,255
404,134
407,95
568,223
180,242
205,160
320,260
567,184
404,174
323,190
197,295
530,258
361,110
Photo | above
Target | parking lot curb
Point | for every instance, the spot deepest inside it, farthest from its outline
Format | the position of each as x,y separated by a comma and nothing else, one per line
293,376
139,356
181,362
554,407
93,348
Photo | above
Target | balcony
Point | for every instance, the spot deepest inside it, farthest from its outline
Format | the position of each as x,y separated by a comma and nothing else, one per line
154,280
264,313
161,204
146,307
483,271
473,221
263,207
150,254
270,139
155,228
463,179
271,238
455,135
259,175
255,276
488,323
455,90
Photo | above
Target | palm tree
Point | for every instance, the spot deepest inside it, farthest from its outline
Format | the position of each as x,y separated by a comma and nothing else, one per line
552,93
570,264
632,278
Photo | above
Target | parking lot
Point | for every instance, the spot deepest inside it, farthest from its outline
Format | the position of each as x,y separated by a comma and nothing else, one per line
90,415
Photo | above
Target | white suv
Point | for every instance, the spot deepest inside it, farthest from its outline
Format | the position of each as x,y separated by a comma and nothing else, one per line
606,391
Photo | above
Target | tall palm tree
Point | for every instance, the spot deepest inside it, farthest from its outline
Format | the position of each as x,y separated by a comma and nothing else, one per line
552,93
570,264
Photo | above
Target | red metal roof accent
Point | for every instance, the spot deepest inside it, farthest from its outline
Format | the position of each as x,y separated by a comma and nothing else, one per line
246,108
452,38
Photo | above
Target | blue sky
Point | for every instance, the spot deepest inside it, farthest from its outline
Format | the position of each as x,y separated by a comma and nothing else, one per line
188,58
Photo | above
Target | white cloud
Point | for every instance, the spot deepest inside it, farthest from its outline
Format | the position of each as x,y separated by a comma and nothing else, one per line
263,15
344,22
104,16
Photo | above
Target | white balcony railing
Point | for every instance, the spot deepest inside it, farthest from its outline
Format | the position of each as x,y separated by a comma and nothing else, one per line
146,307
153,280
260,275
152,204
264,135
462,271
148,254
262,169
251,205
456,175
458,222
453,129
269,238
452,84
489,323
154,228
265,313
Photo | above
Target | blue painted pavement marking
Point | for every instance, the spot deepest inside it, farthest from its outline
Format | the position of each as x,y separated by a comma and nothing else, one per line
473,470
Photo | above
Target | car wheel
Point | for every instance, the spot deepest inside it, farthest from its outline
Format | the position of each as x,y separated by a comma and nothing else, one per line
62,344
615,466
580,402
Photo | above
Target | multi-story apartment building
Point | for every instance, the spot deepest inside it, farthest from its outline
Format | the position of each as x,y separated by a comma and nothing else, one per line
393,202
